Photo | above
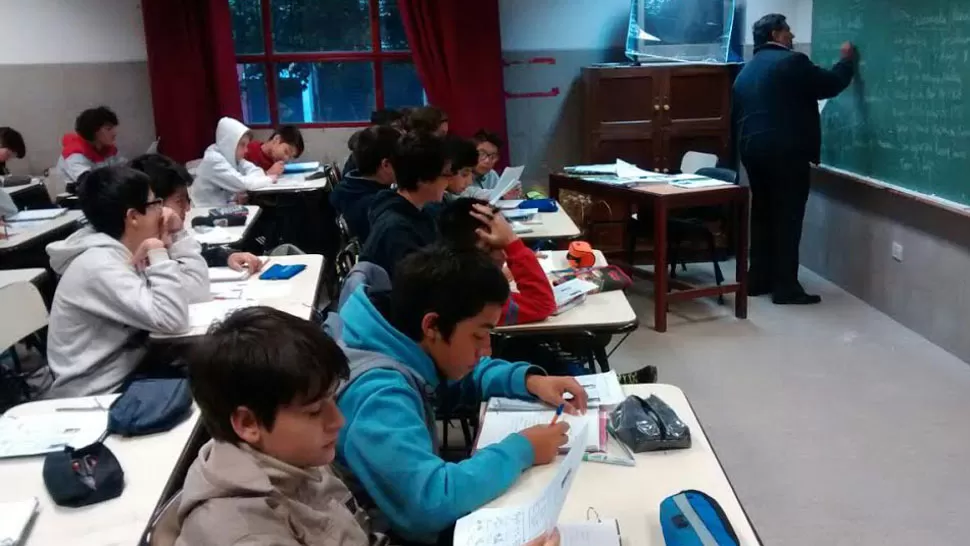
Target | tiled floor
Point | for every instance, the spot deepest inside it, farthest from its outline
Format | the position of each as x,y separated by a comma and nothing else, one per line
836,425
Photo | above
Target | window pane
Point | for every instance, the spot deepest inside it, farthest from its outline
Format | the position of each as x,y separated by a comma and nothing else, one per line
402,87
322,92
393,37
247,26
307,26
252,90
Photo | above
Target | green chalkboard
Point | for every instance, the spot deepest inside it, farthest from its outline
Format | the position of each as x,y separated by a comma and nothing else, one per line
905,120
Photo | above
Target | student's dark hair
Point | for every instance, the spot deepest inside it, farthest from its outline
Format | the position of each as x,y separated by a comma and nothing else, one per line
762,28
373,145
387,116
484,135
418,157
457,226
262,359
166,175
460,153
93,119
426,118
454,284
12,140
106,194
291,135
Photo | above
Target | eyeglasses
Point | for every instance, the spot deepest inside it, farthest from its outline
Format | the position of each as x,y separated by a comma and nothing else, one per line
154,203
485,155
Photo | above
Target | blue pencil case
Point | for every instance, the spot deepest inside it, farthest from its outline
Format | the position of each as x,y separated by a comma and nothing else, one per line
280,272
544,205
694,518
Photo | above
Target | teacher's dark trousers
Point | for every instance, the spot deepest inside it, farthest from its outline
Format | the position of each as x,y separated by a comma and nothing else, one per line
779,192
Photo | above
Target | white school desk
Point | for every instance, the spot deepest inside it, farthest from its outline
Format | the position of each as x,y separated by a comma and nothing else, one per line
299,299
237,232
29,232
632,495
10,276
14,190
604,312
291,183
555,225
148,461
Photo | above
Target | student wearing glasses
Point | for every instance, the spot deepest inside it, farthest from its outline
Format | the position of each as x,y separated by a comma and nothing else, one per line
484,177
122,276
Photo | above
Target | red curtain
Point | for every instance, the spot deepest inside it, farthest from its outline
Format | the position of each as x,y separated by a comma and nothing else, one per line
457,49
192,67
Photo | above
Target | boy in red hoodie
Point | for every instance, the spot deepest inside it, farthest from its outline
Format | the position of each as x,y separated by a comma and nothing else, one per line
91,145
285,144
471,223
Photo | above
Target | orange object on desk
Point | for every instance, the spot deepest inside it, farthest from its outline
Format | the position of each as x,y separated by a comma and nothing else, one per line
580,254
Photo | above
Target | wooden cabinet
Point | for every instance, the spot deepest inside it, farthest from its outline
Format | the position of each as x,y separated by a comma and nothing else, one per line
652,115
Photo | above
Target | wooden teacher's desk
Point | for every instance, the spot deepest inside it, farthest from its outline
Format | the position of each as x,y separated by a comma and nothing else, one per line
661,199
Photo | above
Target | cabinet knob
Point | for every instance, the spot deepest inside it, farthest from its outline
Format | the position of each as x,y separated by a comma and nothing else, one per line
656,107
666,107
656,170
666,170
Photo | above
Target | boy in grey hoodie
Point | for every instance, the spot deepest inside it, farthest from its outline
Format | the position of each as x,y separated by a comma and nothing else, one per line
224,171
265,382
125,274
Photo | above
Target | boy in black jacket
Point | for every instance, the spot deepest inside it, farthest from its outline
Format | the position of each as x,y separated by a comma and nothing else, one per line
398,223
353,196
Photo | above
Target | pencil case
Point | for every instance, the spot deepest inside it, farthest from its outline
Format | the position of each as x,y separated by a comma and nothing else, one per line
648,425
79,477
693,517
543,205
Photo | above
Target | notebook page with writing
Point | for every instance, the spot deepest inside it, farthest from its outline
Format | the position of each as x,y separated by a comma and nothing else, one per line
590,533
497,425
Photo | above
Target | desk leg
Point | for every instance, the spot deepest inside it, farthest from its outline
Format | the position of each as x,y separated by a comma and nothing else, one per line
660,265
741,271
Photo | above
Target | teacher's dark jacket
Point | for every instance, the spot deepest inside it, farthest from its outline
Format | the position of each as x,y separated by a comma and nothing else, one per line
776,96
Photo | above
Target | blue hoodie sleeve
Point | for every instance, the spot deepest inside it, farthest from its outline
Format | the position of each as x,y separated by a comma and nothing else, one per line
497,377
388,448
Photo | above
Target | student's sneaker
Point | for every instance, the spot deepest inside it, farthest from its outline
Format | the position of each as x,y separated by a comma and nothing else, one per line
647,374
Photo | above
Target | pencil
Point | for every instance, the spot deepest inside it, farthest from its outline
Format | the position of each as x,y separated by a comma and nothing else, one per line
558,413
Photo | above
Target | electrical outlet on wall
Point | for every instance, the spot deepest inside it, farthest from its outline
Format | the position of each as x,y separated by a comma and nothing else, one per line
897,251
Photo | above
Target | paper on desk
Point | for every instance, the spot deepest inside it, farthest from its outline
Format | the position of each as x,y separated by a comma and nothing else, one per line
509,180
214,236
267,290
591,533
15,518
701,182
519,228
571,293
226,274
202,315
629,170
602,389
515,526
34,434
608,168
509,204
498,425
36,215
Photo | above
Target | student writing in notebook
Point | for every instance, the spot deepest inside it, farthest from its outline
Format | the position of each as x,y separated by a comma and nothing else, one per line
355,194
224,171
91,145
170,182
418,347
285,144
399,223
121,276
470,224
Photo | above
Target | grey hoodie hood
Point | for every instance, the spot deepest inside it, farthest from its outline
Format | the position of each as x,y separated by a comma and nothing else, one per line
64,252
228,134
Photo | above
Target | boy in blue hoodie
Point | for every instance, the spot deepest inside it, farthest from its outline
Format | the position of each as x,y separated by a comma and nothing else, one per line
430,335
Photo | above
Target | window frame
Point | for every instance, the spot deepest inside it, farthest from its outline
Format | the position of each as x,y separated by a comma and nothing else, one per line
269,60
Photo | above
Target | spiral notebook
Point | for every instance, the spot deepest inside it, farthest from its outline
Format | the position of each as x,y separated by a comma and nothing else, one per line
498,425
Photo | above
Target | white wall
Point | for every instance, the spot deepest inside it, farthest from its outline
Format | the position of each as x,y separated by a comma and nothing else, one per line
71,31
798,12
544,25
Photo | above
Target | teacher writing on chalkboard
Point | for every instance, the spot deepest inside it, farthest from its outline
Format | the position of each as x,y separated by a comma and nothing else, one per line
776,117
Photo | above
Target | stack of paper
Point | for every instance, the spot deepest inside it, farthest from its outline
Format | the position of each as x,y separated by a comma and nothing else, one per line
608,168
225,274
602,389
519,214
515,526
571,293
76,422
508,181
509,204
36,215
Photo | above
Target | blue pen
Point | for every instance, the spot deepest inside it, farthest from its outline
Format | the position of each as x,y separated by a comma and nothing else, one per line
558,413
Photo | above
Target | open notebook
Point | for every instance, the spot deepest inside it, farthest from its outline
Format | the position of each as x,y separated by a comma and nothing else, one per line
15,519
497,425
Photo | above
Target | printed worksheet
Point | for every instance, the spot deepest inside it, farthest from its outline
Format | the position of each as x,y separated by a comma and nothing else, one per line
499,424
